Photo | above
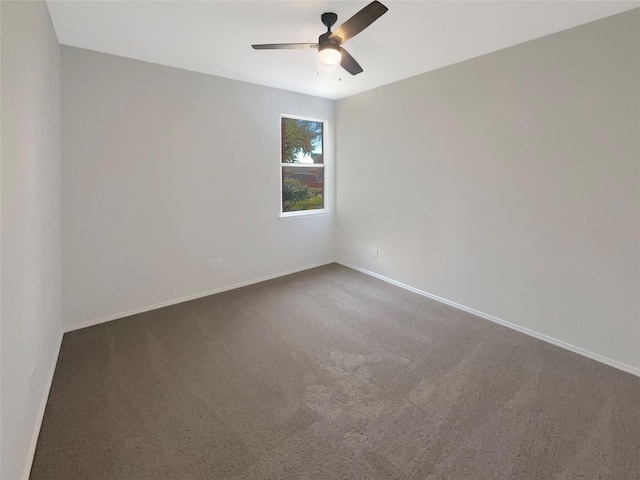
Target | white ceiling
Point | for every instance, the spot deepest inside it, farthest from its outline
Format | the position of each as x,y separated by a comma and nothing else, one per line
215,37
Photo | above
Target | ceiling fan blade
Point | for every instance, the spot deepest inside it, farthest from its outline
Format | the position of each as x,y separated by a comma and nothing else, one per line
349,63
284,46
358,22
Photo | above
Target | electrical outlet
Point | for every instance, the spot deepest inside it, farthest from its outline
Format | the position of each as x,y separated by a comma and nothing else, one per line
212,264
219,263
375,251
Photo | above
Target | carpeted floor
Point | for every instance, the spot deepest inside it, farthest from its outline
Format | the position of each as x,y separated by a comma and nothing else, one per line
330,374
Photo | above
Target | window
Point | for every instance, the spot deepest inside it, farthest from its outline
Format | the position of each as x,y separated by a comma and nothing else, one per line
302,165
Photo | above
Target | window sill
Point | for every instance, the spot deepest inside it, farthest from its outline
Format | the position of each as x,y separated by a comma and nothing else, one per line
304,214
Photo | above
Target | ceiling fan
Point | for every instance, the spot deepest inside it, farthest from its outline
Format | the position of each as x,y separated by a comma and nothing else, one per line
329,44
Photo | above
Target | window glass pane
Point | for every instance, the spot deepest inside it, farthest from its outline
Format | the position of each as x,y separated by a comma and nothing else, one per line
302,188
301,141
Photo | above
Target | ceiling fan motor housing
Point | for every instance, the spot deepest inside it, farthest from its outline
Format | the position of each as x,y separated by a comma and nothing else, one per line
324,40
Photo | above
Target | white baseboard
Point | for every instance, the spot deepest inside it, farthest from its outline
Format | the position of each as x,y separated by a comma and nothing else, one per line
581,351
43,405
135,311
559,343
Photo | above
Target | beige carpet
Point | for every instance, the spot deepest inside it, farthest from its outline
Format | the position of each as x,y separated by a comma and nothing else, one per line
330,374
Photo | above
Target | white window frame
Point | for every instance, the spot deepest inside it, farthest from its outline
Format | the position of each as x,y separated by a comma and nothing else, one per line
317,212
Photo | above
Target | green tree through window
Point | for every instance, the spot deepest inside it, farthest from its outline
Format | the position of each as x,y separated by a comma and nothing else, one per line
300,138
302,164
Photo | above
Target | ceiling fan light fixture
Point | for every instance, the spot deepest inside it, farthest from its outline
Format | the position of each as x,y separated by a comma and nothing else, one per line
329,54
329,45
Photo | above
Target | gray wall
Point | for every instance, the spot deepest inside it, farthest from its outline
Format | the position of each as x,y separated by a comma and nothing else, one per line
30,216
165,169
509,184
